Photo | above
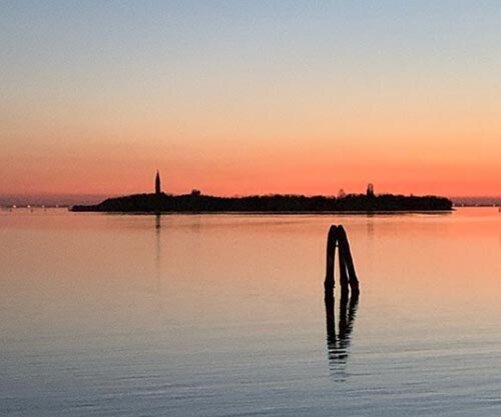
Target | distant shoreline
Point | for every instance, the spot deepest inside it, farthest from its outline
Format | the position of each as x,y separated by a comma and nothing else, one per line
7,202
196,203
270,213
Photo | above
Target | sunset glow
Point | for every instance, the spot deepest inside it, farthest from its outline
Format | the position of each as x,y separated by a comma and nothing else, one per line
241,98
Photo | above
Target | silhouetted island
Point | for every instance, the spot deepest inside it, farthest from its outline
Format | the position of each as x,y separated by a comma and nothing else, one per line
196,202
269,203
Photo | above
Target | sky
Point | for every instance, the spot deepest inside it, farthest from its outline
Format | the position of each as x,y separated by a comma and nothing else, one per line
245,97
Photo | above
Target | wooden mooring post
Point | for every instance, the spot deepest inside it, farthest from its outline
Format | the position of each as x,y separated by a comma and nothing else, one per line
337,238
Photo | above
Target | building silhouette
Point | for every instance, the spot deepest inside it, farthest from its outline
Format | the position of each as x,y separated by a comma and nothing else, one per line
370,190
158,188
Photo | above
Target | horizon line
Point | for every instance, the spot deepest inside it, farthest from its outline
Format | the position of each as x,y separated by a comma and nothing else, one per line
56,195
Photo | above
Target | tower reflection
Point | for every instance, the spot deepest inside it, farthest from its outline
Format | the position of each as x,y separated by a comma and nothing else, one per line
338,342
158,248
157,289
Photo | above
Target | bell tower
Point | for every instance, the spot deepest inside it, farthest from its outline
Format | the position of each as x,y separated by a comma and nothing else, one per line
158,188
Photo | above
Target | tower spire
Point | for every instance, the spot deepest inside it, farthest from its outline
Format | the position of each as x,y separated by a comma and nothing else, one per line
158,188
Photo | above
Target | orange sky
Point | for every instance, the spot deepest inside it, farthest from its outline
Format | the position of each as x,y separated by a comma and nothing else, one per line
239,100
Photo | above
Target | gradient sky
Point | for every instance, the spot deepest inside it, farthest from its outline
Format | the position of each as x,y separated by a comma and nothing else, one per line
239,97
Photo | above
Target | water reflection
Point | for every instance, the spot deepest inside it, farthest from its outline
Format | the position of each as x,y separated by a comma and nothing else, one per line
338,343
158,256
370,226
158,243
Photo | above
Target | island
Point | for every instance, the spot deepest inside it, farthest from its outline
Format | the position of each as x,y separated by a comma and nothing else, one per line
196,202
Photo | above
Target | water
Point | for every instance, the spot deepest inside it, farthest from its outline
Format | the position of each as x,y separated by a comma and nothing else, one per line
223,315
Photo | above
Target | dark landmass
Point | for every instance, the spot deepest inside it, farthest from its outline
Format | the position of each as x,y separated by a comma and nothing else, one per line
198,203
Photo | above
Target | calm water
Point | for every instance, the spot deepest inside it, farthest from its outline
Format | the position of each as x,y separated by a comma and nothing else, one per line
109,315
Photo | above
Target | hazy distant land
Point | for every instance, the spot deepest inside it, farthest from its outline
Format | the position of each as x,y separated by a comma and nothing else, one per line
69,200
199,203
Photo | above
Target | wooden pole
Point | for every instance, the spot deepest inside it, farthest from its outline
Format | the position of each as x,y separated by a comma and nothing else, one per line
331,256
337,344
345,253
337,238
343,272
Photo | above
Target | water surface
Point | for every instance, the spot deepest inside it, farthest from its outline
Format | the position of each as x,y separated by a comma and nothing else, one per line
223,315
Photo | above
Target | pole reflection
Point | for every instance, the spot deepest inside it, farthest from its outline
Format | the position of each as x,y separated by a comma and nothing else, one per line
338,342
